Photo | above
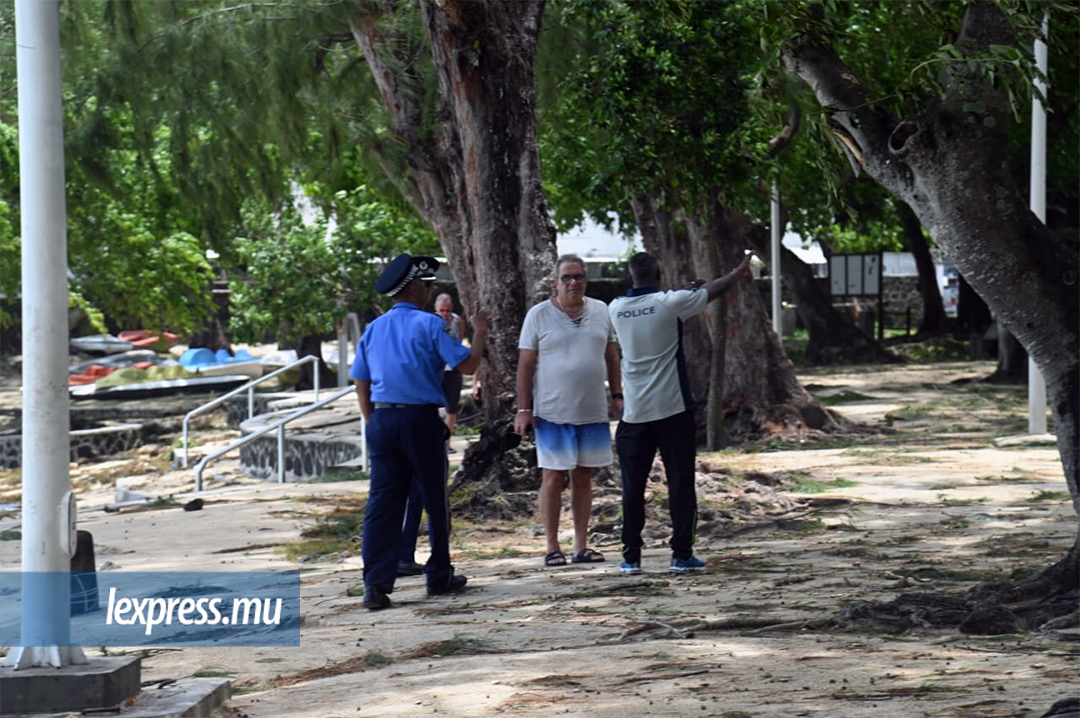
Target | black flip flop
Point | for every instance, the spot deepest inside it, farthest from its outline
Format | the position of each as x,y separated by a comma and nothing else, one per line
555,558
587,555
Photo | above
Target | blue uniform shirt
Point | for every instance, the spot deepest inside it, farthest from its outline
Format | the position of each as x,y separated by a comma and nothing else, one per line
402,354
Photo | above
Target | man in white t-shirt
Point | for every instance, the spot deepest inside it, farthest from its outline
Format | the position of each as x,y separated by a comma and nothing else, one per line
659,410
566,350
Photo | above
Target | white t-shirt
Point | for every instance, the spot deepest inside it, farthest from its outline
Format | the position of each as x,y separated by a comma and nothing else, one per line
648,324
568,387
453,328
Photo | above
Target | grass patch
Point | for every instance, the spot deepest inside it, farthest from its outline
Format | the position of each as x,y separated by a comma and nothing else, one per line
163,502
213,672
844,397
908,538
957,575
373,659
803,484
476,554
332,534
803,526
315,550
1004,479
852,552
1051,496
241,690
336,475
339,524
10,535
836,442
457,645
924,688
795,348
910,413
937,349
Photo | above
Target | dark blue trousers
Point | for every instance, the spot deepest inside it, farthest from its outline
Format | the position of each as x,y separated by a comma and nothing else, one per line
410,528
406,446
637,444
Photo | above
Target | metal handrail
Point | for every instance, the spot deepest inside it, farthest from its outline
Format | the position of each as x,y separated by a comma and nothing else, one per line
250,388
280,426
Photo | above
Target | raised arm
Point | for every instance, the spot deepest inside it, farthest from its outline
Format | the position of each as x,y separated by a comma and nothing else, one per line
480,330
721,284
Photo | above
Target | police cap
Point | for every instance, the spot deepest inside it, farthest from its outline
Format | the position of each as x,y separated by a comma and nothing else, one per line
403,269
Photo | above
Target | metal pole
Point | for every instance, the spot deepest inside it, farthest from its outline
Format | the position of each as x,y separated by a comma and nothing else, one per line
342,354
774,249
281,454
47,544
1036,383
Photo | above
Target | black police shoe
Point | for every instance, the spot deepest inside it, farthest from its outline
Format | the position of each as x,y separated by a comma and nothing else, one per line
456,583
376,599
409,568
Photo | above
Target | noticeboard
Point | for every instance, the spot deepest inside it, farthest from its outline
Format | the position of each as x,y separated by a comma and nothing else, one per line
855,275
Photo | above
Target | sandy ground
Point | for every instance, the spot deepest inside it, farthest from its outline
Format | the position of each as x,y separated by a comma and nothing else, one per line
932,507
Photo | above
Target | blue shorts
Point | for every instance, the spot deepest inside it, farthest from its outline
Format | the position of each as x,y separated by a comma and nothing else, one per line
562,447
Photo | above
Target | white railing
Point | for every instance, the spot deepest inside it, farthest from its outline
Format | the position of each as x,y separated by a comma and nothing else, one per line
250,389
280,426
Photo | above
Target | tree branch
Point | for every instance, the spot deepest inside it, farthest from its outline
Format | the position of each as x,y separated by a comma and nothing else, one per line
781,141
861,126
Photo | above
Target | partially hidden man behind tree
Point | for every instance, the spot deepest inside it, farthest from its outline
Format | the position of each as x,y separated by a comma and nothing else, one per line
659,409
566,349
398,374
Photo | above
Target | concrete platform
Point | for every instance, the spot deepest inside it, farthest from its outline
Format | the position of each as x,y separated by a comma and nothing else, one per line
191,698
101,683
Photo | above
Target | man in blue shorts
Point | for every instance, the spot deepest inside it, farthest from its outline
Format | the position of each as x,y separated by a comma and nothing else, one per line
566,350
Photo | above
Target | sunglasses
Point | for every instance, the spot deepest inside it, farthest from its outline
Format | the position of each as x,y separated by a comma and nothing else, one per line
568,278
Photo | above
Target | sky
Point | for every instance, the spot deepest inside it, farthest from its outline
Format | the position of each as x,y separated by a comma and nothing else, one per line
592,240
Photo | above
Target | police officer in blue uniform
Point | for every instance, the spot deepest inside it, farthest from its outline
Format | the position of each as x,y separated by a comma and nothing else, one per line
398,376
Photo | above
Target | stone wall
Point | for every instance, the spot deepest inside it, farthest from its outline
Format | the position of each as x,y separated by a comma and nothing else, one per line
307,456
85,443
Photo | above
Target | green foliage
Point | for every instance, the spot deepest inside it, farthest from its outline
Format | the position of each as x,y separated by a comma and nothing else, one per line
9,233
180,117
906,54
655,100
301,278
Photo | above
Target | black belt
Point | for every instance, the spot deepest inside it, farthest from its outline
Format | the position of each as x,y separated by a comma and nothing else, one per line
389,405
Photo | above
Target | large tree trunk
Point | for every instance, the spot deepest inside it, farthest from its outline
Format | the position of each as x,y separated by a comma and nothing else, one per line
952,167
311,345
933,318
1012,366
477,178
703,239
760,396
